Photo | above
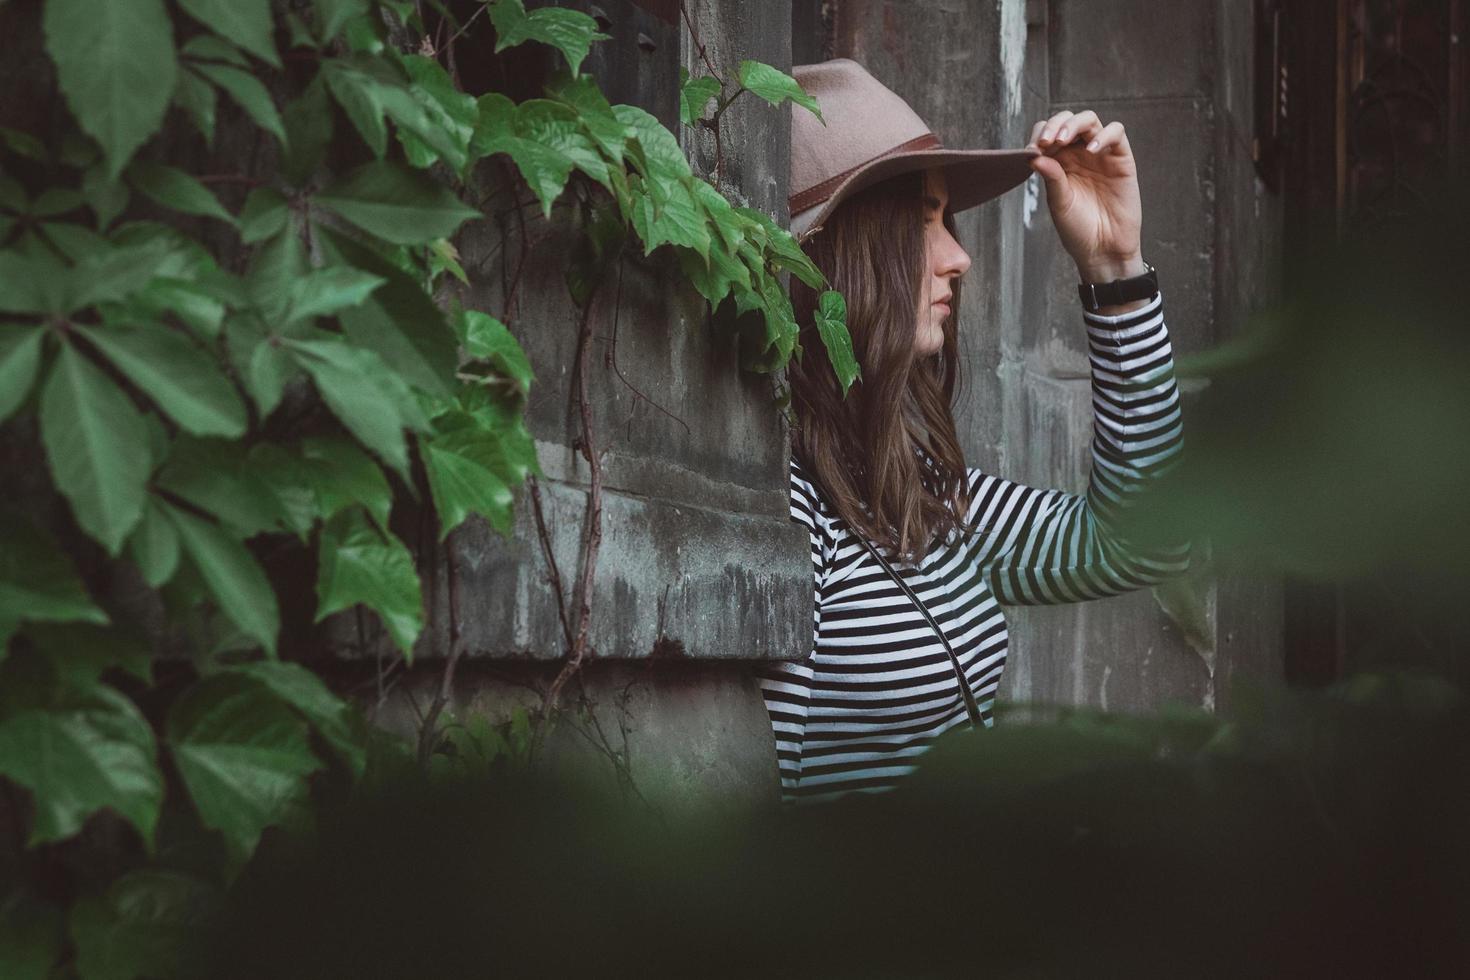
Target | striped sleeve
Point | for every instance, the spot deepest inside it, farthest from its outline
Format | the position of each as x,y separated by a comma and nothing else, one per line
1049,546
786,685
804,511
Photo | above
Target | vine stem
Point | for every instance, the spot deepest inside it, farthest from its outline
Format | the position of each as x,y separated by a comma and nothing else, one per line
714,124
592,533
428,730
554,573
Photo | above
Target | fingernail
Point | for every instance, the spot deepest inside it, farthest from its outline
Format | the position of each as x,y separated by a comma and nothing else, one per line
1092,147
1062,135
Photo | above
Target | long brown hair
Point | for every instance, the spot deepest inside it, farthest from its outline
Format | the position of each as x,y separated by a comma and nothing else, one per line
865,449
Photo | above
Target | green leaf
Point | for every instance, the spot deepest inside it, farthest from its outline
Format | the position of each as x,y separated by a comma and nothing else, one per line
24,144
775,86
593,111
679,220
116,67
20,360
569,31
243,755
206,47
233,577
715,280
694,95
37,582
96,447
372,400
197,305
463,480
179,377
243,22
217,477
446,118
76,242
80,652
333,717
32,283
106,196
309,129
396,204
150,923
545,168
265,214
557,126
443,257
400,322
785,251
663,157
249,94
331,290
78,749
360,564
118,274
358,93
832,325
198,99
333,14
154,546
341,475
487,339
55,200
274,266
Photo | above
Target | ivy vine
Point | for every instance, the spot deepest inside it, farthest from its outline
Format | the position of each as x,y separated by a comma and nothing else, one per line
220,369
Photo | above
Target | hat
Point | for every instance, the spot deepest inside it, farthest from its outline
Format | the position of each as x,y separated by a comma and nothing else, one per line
871,134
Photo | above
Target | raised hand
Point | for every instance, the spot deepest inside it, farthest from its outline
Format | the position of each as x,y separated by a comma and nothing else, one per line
1092,192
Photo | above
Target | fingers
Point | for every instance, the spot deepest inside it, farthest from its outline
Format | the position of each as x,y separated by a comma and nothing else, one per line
1110,137
1067,127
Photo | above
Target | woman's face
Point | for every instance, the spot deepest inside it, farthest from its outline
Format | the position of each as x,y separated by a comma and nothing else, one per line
944,262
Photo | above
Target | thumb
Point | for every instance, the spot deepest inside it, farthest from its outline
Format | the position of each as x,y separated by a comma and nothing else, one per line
1054,175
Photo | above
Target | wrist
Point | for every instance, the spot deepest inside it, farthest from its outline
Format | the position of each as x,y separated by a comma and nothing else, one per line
1103,270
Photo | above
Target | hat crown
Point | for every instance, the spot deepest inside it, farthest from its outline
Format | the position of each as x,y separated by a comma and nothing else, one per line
864,120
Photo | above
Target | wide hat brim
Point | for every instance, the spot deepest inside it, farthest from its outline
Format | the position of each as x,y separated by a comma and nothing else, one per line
972,176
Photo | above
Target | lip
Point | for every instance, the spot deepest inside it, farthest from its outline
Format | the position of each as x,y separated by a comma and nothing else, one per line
942,305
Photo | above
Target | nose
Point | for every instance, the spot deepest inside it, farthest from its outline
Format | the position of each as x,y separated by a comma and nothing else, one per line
951,260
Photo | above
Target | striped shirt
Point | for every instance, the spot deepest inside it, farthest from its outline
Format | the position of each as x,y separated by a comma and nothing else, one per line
878,687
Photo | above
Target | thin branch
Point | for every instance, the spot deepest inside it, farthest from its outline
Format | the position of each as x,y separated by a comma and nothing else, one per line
613,360
428,731
592,536
555,573
699,44
713,124
465,26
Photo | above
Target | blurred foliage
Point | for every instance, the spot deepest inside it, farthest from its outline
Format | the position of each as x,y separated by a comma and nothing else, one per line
1331,439
1314,835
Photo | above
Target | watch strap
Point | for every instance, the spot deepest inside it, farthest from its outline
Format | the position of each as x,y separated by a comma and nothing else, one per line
1096,295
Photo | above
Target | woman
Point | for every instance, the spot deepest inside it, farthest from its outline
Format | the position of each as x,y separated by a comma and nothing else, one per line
912,551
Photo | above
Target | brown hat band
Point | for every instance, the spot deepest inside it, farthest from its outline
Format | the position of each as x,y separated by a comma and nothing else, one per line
818,193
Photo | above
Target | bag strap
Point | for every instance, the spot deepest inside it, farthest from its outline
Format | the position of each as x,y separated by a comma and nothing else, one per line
971,708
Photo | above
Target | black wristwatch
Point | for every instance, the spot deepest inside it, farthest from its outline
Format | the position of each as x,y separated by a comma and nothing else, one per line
1096,295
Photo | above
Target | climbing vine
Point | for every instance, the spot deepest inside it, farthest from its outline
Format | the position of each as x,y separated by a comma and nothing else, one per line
230,374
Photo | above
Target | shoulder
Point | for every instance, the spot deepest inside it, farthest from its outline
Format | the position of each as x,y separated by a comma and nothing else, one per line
807,503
